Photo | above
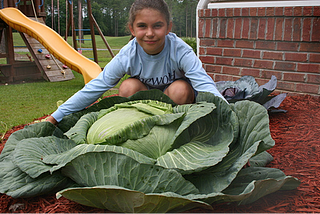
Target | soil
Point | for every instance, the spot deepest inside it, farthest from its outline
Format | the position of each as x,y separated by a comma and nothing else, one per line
296,153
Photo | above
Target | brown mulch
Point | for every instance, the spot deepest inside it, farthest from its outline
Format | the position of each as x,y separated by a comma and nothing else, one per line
296,153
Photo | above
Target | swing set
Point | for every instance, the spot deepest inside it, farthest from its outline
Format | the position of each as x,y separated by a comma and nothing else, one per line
47,61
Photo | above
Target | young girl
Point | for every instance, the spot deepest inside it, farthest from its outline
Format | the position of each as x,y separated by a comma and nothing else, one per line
155,58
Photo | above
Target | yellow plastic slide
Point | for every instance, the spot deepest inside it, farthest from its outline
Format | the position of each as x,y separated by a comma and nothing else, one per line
52,41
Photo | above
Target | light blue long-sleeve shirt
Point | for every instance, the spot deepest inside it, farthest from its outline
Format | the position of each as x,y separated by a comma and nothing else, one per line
176,60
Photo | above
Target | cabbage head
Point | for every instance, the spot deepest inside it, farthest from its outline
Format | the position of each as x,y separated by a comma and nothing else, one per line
147,154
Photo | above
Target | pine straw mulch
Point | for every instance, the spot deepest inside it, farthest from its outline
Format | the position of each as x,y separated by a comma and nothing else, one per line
297,153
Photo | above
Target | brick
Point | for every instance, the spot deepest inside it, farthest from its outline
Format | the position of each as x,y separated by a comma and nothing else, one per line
270,11
308,67
230,28
310,47
265,64
223,28
306,29
229,12
262,28
238,27
278,11
202,51
224,61
214,27
279,29
275,55
245,28
307,11
287,46
297,57
201,28
251,54
213,68
225,43
288,11
296,35
261,11
270,28
231,70
236,11
313,78
221,12
287,29
268,73
223,77
232,52
286,66
207,13
214,12
253,28
207,42
294,77
261,81
314,57
266,45
241,62
316,11
307,88
316,30
288,86
208,32
297,11
214,51
250,72
245,11
200,13
253,11
244,44
207,59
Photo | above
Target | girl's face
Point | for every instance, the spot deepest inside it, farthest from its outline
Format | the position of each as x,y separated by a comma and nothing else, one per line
150,29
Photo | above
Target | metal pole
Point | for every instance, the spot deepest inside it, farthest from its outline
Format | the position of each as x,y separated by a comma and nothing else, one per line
94,47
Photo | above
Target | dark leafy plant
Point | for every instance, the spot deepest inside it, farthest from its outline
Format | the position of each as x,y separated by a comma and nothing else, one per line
246,88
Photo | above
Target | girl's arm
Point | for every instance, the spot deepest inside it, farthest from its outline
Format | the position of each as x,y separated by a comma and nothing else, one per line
200,80
92,91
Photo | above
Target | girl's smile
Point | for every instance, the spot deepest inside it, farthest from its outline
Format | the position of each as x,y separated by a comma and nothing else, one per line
150,28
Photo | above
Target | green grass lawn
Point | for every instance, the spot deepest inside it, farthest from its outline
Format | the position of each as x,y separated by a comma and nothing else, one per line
22,103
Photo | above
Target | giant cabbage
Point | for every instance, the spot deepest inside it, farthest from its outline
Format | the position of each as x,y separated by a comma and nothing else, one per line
146,154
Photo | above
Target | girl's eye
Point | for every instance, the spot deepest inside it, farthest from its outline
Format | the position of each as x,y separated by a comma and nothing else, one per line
141,26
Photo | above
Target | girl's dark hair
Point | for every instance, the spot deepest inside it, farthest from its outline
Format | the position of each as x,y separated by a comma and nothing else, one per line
139,5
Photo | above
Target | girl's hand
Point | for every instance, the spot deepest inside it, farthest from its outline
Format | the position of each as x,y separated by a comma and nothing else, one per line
52,120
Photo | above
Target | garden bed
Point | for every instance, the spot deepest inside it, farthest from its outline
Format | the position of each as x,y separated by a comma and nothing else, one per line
296,153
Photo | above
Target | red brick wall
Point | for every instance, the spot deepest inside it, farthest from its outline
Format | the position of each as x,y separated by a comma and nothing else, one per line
280,41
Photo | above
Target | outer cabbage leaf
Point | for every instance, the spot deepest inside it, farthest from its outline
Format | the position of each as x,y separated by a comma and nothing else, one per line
16,183
62,159
254,137
210,134
32,131
124,200
108,168
254,125
79,131
251,184
193,157
29,153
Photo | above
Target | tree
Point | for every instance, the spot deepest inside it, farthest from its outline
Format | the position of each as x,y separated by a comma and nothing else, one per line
112,16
